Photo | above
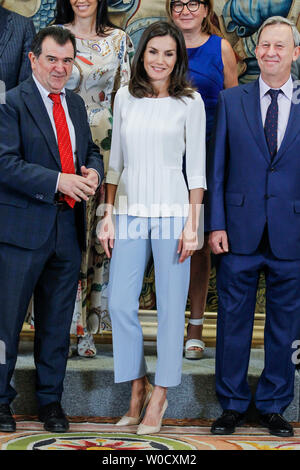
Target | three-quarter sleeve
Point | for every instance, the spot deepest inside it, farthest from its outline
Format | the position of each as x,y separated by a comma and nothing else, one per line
195,143
116,161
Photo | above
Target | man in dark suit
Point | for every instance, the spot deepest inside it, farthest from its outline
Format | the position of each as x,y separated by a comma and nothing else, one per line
49,167
253,215
16,35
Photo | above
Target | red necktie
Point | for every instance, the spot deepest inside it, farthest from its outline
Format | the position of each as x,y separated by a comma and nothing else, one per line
63,141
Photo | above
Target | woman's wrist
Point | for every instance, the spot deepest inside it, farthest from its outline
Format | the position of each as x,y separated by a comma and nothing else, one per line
108,209
192,221
107,214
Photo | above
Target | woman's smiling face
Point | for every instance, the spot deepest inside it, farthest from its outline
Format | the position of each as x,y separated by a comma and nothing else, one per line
159,58
84,8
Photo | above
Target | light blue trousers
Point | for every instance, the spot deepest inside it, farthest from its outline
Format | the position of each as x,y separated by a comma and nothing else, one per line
136,238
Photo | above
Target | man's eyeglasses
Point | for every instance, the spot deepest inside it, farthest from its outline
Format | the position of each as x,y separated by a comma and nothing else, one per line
192,6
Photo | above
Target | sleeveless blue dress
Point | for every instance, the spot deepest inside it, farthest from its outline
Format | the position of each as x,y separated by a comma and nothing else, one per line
206,72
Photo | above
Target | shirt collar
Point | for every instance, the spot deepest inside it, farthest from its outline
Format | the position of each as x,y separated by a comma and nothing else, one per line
287,88
43,91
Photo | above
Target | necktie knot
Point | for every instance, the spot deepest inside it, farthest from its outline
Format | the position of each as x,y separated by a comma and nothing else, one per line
274,94
55,98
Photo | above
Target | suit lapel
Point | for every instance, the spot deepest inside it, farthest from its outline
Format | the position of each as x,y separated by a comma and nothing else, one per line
252,110
291,133
76,119
6,29
37,109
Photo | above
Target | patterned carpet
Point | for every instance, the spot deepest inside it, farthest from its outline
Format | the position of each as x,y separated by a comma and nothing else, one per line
106,436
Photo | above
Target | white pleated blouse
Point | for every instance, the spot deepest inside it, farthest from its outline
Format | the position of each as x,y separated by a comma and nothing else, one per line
149,140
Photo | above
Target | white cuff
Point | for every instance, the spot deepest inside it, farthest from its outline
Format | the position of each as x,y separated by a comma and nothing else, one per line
57,183
113,177
195,182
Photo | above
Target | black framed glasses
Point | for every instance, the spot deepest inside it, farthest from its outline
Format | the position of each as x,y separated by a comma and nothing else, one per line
192,5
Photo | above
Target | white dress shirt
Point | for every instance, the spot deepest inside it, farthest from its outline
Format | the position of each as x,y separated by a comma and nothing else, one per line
284,105
150,137
49,107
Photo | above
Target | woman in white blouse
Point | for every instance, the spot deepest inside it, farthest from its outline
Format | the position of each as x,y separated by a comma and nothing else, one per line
157,119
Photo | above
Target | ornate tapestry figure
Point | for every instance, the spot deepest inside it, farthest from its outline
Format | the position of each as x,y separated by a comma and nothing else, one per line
25,8
136,15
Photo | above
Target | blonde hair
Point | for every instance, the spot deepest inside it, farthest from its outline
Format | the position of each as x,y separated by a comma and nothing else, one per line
207,24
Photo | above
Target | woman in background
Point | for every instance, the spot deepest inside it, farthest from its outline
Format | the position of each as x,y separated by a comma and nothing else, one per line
157,119
212,67
101,67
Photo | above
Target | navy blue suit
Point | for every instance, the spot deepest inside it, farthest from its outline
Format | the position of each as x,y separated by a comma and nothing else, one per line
257,201
16,35
40,243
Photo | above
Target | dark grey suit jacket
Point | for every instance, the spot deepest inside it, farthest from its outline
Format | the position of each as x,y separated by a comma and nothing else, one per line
16,35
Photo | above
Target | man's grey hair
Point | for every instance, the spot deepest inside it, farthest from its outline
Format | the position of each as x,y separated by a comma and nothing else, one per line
280,20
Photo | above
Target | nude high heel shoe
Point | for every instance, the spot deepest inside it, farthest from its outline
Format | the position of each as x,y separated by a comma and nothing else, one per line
144,429
129,420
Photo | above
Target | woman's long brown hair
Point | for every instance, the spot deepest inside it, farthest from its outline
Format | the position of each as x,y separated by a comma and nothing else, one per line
140,85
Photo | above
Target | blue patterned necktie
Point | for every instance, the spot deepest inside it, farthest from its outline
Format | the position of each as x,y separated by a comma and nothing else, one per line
271,123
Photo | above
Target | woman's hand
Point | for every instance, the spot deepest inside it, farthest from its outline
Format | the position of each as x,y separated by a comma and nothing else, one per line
188,242
106,234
